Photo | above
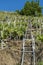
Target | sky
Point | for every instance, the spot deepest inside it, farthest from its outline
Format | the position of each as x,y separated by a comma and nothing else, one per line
12,5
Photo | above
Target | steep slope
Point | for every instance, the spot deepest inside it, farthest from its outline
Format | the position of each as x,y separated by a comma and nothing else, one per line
11,55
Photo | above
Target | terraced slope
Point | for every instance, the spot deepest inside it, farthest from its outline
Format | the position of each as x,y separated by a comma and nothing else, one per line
11,55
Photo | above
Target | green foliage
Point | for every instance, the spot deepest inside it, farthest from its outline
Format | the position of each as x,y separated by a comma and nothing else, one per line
35,24
17,11
31,8
40,37
7,30
40,63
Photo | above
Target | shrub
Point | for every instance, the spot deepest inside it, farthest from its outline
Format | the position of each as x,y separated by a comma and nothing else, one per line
31,8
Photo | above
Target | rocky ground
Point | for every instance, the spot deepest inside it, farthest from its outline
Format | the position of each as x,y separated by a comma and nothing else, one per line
12,54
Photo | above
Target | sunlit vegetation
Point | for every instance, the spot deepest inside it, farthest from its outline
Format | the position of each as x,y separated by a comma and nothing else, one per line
40,37
31,8
12,29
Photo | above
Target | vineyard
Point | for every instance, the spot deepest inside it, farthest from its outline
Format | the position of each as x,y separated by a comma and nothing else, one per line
17,28
13,28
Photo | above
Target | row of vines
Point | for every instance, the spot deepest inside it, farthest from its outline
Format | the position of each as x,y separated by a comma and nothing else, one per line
12,29
16,29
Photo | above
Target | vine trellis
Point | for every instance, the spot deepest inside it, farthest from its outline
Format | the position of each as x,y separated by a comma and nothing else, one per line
29,35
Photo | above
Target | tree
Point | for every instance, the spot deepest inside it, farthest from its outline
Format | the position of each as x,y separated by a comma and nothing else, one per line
17,11
30,8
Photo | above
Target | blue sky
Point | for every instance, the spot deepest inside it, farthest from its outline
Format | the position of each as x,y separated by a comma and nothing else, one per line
12,5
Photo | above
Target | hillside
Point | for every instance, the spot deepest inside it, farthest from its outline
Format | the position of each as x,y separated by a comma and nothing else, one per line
16,28
10,15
